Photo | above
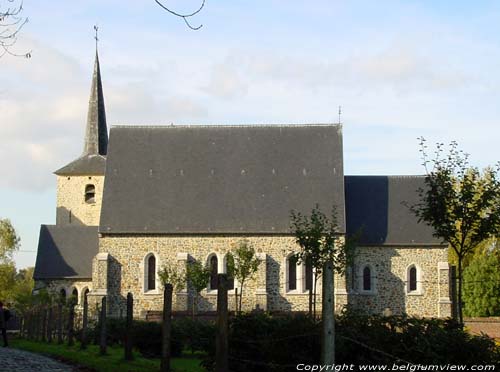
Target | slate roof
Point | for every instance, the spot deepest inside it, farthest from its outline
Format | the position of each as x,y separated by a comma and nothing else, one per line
95,146
65,252
219,179
375,204
87,164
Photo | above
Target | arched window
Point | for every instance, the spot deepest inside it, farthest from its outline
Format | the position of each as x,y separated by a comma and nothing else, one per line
412,280
309,275
151,273
74,294
367,279
292,273
214,270
90,194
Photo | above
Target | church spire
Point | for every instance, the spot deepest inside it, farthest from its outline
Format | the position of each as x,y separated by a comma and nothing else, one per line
96,133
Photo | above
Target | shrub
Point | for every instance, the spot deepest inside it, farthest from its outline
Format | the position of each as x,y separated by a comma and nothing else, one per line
271,343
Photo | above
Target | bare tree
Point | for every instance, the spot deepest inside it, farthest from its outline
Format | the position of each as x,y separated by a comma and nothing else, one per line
186,16
11,23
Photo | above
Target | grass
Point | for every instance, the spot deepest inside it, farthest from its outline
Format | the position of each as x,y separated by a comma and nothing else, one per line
113,361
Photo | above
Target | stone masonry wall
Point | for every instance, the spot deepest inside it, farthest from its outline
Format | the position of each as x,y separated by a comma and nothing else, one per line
55,286
71,205
122,271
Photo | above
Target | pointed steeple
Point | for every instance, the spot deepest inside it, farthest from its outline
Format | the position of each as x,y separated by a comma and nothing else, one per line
96,133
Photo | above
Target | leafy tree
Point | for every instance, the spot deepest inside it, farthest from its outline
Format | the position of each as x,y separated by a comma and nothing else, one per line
171,275
460,202
242,264
7,281
482,285
198,276
9,240
321,242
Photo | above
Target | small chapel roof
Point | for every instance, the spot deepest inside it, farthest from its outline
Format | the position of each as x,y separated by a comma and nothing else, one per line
65,252
219,179
93,158
377,208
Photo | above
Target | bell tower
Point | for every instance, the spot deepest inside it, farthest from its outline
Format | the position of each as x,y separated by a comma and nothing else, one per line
80,183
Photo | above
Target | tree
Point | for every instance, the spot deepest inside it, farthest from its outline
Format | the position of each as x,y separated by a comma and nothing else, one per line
320,240
9,241
198,276
482,285
183,16
461,203
11,23
171,275
242,264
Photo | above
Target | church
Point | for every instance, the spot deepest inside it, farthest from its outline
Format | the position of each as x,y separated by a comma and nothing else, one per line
155,195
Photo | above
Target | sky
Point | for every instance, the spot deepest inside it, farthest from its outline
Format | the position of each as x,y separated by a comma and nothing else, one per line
399,69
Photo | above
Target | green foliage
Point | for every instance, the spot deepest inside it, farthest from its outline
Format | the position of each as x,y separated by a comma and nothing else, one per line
321,241
197,275
242,264
9,241
278,343
461,203
482,286
7,281
171,275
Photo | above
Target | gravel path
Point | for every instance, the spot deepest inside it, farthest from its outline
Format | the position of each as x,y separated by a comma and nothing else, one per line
20,360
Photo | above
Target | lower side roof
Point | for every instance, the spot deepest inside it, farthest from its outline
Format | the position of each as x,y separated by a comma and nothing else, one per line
65,252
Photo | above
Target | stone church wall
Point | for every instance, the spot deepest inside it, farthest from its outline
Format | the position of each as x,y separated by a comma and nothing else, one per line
71,205
122,270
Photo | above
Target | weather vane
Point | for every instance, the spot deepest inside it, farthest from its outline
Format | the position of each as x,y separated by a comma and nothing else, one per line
96,29
340,112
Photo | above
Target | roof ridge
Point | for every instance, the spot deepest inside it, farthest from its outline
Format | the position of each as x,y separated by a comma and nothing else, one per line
387,175
268,125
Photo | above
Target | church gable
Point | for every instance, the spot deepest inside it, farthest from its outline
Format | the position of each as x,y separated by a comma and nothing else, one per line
219,179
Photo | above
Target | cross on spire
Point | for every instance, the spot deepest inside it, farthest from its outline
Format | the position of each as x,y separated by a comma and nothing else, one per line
96,29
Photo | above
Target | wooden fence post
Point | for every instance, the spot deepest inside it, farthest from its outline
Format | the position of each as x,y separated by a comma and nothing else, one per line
328,323
166,327
71,322
221,341
102,321
43,311
49,324
128,328
59,322
85,321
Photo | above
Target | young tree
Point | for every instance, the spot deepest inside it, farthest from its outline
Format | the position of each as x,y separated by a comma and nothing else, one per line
172,279
197,276
242,264
9,241
461,203
482,285
320,240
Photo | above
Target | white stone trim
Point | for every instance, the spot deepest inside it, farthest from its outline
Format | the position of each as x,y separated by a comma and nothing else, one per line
103,256
443,265
420,277
373,280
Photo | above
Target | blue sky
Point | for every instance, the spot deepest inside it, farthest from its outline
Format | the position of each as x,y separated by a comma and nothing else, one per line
400,69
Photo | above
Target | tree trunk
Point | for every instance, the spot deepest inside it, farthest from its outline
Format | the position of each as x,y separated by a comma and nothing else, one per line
328,313
221,341
460,312
166,328
128,328
241,296
310,303
314,301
